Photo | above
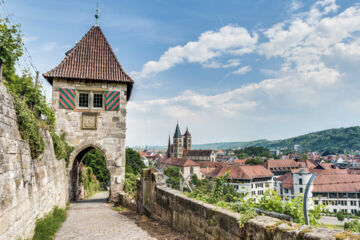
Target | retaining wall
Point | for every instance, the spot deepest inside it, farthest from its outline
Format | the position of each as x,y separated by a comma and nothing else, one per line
205,221
29,188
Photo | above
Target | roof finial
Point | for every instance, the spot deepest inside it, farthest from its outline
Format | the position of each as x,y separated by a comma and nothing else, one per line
97,12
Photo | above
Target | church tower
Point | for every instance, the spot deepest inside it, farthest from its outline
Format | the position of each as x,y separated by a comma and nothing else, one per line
187,140
168,152
177,143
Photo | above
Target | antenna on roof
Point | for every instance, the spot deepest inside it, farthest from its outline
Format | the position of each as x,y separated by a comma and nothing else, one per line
97,12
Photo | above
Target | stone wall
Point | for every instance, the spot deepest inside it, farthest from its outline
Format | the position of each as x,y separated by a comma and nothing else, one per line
29,188
108,135
205,221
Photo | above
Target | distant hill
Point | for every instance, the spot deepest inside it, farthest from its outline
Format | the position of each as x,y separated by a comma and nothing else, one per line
331,139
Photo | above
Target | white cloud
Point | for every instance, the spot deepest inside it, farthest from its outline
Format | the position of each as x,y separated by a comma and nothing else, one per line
306,88
295,5
214,64
242,70
49,46
209,45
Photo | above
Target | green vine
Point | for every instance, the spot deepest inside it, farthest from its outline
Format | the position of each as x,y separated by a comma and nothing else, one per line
29,128
61,148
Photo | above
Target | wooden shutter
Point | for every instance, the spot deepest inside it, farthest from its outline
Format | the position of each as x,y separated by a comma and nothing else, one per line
67,98
112,101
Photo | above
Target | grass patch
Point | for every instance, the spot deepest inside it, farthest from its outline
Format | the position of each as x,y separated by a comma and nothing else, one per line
46,227
119,208
332,226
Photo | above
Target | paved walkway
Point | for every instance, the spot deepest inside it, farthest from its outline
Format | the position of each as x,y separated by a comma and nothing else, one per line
333,220
94,219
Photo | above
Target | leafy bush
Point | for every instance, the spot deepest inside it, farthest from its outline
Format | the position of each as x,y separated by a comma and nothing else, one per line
224,195
271,201
25,88
246,210
134,164
46,227
173,177
29,128
353,225
340,216
214,193
96,160
130,184
61,148
89,181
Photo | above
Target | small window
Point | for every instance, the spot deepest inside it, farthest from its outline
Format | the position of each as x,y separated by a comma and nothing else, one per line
84,100
98,100
300,181
301,190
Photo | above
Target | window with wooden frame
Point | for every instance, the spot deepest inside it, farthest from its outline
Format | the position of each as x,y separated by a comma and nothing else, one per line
98,100
84,99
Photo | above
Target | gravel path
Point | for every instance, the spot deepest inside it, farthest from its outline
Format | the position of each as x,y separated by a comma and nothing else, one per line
94,219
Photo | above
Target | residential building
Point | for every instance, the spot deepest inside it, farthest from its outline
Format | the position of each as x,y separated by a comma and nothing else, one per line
200,155
246,179
332,187
186,166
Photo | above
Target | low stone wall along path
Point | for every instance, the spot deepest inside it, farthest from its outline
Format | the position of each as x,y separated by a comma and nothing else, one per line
94,219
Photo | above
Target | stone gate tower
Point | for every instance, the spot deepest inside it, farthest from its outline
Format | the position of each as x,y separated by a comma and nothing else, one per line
89,95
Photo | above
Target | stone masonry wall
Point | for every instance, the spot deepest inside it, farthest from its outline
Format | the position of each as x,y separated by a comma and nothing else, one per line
109,136
205,221
29,188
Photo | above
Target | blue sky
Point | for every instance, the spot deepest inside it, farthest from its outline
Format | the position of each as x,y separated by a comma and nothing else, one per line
229,70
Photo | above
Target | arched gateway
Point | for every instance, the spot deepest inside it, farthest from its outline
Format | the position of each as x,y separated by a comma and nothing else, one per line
89,96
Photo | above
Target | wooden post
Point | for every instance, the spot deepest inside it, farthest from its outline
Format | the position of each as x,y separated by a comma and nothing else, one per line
37,78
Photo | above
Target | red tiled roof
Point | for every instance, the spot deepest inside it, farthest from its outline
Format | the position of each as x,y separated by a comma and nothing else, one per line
180,162
205,164
341,183
325,166
283,163
287,181
91,59
331,171
242,172
205,153
238,162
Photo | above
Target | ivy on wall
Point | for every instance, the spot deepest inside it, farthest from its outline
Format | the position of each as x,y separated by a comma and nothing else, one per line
61,148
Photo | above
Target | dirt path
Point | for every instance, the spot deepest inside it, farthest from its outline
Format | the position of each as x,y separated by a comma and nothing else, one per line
94,219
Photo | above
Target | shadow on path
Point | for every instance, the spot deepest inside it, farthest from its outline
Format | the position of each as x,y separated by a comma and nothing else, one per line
154,228
96,200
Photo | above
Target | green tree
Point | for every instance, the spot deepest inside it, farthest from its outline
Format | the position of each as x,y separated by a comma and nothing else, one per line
173,177
134,164
340,216
253,151
95,159
195,180
254,161
10,44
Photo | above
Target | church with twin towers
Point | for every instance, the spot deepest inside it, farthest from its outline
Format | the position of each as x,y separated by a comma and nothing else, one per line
182,148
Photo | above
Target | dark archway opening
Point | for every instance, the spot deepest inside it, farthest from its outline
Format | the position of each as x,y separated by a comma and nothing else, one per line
88,174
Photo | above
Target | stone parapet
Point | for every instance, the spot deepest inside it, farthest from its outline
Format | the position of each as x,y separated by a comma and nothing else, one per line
206,221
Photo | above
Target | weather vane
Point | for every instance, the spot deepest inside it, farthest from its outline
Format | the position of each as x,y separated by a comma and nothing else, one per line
97,12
